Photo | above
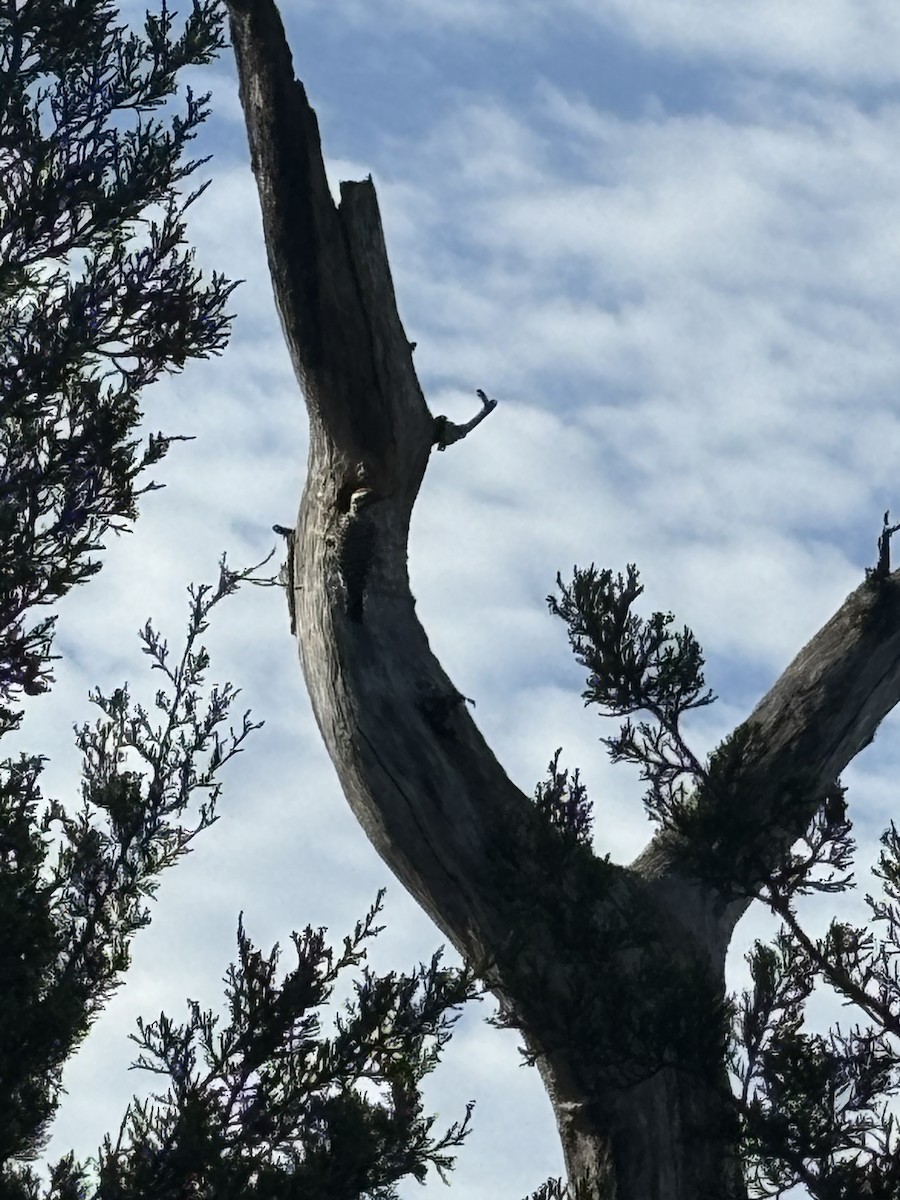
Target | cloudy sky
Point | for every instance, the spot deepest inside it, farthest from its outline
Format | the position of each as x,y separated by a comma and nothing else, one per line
665,236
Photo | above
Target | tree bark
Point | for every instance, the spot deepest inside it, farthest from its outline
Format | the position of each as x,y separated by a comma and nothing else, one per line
613,974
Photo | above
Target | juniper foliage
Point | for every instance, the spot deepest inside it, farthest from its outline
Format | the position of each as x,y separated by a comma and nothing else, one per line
69,459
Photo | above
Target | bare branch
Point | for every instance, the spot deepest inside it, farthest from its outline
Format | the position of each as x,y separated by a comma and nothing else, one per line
446,433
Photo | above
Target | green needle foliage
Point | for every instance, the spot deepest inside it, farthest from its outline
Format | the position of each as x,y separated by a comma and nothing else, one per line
264,1105
69,460
636,665
74,887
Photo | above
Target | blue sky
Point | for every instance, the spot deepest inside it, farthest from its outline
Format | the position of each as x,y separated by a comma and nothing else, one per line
665,236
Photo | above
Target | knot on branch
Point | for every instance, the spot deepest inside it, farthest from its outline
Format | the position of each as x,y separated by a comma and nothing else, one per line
438,707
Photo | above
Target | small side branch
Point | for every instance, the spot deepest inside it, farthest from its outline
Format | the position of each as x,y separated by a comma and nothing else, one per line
287,573
883,569
446,432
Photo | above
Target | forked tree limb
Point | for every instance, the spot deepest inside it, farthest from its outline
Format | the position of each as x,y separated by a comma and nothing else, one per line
584,955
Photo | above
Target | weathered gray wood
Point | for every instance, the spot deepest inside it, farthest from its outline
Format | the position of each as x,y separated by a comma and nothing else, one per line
592,961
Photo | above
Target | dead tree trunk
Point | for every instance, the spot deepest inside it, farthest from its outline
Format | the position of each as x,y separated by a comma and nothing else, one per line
614,974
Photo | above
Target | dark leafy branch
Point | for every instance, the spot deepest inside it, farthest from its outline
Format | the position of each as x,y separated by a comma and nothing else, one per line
564,803
67,919
637,665
263,1104
69,463
815,1108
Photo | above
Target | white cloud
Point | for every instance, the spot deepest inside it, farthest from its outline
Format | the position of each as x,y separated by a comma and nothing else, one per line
842,43
837,41
468,17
